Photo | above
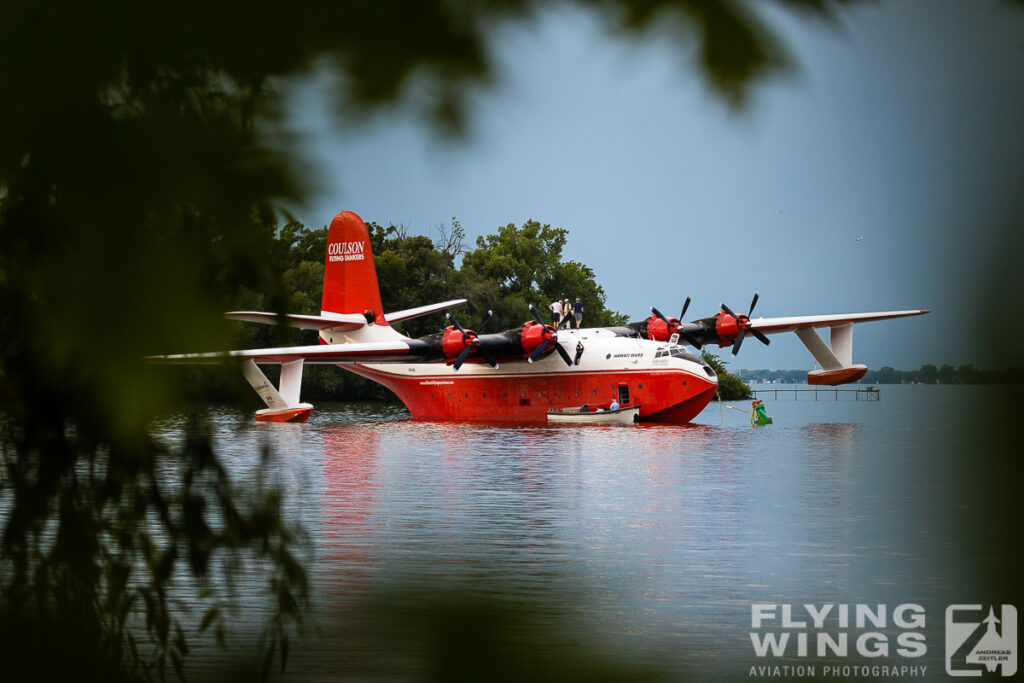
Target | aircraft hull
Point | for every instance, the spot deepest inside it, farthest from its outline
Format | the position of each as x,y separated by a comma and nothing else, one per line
434,391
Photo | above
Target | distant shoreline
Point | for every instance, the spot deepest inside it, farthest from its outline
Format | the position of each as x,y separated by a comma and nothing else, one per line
926,374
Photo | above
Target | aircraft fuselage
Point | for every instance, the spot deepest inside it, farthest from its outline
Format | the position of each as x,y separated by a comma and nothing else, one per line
669,383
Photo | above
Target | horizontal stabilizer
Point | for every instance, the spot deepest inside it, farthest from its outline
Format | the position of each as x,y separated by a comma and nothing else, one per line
399,316
340,321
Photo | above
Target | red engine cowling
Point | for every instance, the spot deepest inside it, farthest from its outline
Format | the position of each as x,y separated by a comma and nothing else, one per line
731,328
659,330
728,327
454,342
533,335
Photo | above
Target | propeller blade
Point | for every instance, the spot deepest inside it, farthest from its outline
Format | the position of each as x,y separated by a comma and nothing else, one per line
729,311
488,357
760,336
736,344
563,353
753,303
455,322
536,315
539,351
658,313
462,358
686,304
484,321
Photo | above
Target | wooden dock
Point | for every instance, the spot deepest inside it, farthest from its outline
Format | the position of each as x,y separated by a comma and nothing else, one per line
867,394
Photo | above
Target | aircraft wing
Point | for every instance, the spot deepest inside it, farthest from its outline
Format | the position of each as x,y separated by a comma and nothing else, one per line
322,354
836,357
792,324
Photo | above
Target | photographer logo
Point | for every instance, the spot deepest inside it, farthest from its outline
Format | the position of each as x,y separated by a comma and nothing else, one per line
980,638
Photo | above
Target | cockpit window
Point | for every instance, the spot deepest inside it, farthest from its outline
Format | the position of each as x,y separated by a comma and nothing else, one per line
678,352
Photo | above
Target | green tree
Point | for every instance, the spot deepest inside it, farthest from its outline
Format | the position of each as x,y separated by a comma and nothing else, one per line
411,271
730,387
577,280
887,376
518,259
519,266
967,373
947,374
928,374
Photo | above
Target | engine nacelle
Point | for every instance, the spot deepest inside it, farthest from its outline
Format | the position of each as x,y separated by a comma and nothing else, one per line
454,342
728,327
659,330
533,335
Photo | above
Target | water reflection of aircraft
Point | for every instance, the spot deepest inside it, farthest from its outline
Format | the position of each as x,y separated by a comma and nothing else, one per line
519,373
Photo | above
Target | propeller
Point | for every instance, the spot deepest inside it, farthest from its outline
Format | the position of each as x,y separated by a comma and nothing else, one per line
550,337
682,313
743,323
472,341
677,326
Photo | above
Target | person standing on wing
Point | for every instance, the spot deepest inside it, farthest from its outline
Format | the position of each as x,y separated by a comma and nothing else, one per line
556,313
577,311
566,319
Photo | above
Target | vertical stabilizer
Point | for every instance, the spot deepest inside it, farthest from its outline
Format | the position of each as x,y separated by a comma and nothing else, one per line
350,280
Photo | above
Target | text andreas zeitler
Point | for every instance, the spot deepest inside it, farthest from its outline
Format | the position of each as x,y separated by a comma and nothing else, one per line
832,631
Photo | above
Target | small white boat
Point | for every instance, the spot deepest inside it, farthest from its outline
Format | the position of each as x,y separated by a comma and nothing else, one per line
575,415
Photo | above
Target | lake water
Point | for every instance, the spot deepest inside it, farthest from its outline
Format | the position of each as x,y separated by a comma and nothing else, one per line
467,551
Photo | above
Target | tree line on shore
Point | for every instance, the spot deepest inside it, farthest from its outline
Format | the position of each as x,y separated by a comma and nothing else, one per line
926,374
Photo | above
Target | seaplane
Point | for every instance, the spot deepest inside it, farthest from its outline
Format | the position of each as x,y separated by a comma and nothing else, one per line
521,373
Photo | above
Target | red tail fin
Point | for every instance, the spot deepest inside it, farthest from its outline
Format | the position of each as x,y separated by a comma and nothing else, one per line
350,280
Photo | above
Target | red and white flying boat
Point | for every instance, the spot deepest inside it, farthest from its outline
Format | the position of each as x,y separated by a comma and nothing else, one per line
518,374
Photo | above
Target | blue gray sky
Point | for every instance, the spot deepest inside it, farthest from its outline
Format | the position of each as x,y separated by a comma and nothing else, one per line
903,124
